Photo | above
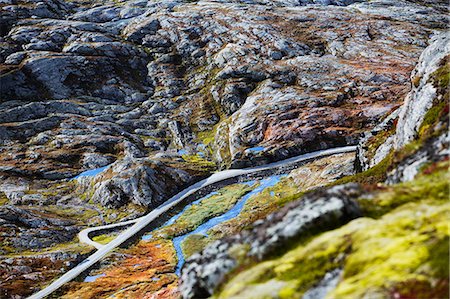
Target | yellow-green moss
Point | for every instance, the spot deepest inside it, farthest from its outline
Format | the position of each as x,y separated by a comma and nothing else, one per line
104,239
299,268
199,160
80,214
442,75
434,186
439,111
432,117
381,253
3,199
373,175
395,249
207,137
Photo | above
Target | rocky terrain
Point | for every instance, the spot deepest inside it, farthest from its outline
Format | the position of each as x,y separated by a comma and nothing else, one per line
108,108
273,259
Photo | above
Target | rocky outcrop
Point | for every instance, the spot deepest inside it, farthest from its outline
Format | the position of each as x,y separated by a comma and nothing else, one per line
424,92
138,181
417,113
432,152
30,230
317,211
369,151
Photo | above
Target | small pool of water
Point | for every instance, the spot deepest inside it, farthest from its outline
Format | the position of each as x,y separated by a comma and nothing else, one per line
147,237
93,278
233,212
182,152
255,149
91,172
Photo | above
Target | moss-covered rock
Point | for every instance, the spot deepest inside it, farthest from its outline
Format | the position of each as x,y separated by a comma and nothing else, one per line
409,243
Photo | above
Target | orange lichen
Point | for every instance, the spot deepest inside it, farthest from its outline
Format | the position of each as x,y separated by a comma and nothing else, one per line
147,269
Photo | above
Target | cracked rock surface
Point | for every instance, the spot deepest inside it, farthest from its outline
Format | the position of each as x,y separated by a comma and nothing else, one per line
87,77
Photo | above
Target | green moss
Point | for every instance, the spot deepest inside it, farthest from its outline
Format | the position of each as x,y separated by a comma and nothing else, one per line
439,260
207,137
72,246
299,269
259,206
378,173
324,258
429,128
432,117
3,199
380,254
80,214
439,111
432,187
104,239
442,75
394,249
373,175
208,208
239,252
199,160
193,244
52,189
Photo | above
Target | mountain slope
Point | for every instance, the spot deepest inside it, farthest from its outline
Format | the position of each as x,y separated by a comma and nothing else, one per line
110,107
